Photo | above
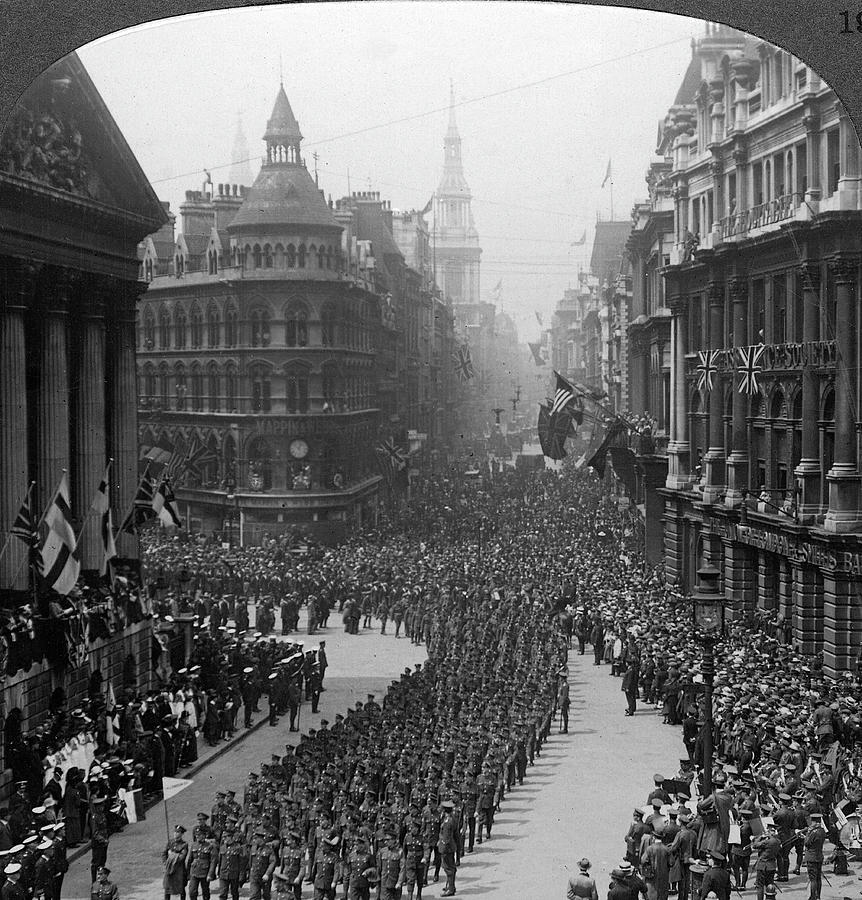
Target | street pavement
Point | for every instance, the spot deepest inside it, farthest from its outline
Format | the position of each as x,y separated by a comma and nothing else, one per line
358,665
576,800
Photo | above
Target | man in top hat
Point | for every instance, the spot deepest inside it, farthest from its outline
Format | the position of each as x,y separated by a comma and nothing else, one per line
102,888
582,885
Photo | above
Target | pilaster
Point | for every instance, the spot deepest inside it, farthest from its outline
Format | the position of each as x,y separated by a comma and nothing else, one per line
714,459
737,462
807,609
842,623
739,580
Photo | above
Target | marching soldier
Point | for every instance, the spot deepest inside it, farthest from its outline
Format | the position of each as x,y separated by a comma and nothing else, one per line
327,872
415,861
359,865
391,869
262,863
202,861
102,888
232,865
447,846
813,855
291,865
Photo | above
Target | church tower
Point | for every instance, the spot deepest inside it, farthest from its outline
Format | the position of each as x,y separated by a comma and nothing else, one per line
457,242
240,170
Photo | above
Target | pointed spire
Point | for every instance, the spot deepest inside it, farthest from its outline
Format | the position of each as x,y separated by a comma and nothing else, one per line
453,127
282,122
240,170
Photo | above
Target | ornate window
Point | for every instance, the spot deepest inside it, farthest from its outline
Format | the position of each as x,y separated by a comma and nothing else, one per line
212,262
291,256
267,256
300,256
149,329
231,326
296,327
332,389
197,388
213,387
257,256
149,385
321,257
181,386
231,388
296,390
328,321
164,385
213,326
261,389
197,327
164,329
179,328
259,328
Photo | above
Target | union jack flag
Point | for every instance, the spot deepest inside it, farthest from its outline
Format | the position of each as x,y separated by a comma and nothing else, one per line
749,368
392,456
706,369
463,363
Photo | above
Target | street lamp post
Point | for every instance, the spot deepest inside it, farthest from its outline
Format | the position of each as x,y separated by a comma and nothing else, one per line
708,621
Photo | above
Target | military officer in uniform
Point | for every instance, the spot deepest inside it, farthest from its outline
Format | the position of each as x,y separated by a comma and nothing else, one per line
102,888
232,864
202,861
487,789
43,872
415,861
291,865
360,863
326,875
813,855
262,863
391,868
12,889
447,846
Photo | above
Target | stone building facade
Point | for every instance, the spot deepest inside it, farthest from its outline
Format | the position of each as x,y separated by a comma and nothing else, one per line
761,276
74,204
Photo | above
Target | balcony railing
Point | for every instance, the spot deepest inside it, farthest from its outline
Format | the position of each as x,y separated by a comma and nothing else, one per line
777,210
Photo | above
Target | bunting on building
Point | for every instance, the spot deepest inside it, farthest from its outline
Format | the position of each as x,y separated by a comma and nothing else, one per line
749,368
707,367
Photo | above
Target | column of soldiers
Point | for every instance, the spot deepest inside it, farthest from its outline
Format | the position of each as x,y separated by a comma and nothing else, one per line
390,796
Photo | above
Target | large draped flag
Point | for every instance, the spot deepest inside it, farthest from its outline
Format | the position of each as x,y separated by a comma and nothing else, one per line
26,529
538,356
142,508
463,363
392,458
707,366
102,506
750,368
564,395
165,505
61,564
599,458
553,429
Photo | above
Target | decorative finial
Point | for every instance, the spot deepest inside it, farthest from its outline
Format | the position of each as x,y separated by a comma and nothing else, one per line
280,71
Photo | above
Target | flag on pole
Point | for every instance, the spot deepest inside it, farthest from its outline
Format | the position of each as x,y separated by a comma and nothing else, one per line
393,457
564,395
608,176
427,207
538,356
539,319
61,564
199,457
165,505
142,507
26,529
102,506
583,239
463,363
498,291
172,786
599,458
553,430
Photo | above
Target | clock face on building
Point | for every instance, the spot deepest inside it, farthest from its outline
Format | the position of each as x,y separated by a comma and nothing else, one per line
298,449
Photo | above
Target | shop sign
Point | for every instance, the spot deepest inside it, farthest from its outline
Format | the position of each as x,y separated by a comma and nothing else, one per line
846,561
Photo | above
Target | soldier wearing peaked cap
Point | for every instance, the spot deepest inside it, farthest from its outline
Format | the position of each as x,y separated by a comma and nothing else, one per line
102,889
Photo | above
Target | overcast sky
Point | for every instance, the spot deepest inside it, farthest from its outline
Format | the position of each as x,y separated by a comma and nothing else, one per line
534,155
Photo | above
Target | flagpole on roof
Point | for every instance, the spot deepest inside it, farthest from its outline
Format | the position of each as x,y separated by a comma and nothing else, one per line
132,506
9,534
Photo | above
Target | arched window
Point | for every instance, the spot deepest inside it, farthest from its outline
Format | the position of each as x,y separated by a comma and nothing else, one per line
267,256
329,257
328,325
197,327
300,256
261,389
164,385
209,468
259,328
332,389
279,256
164,329
197,388
246,255
321,257
229,456
148,270
296,327
257,256
181,387
149,329
291,256
179,328
296,390
231,327
149,385
179,264
213,387
213,326
230,388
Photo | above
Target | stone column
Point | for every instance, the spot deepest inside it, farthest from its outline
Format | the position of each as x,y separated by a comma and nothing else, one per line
679,464
808,470
842,623
714,459
737,462
740,158
123,409
739,586
15,295
765,597
849,177
812,159
89,422
807,609
53,403
843,514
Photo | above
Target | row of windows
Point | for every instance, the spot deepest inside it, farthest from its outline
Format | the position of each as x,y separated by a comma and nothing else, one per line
167,389
335,330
